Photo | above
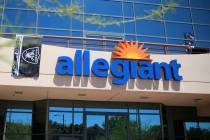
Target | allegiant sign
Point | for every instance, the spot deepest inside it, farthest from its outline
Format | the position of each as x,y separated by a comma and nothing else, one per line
129,61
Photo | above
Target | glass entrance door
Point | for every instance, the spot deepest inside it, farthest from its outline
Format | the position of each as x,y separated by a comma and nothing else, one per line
95,127
106,126
117,127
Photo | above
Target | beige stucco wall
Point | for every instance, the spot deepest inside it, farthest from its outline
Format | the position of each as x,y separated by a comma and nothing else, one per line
195,71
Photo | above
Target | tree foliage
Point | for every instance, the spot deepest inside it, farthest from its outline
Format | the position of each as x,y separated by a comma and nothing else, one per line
18,131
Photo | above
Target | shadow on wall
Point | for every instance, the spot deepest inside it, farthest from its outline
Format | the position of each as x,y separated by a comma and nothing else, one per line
154,84
97,82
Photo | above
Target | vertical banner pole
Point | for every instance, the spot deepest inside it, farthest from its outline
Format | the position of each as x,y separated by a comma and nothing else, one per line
19,45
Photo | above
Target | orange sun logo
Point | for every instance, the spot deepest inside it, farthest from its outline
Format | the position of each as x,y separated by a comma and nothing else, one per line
126,50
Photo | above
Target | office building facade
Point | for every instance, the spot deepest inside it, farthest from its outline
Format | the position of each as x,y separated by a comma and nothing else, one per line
72,78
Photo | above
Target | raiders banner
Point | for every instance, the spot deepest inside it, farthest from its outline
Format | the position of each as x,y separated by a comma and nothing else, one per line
27,54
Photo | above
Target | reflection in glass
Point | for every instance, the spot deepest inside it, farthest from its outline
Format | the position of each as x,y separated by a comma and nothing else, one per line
192,130
150,127
78,123
17,4
128,9
202,32
200,4
179,14
95,127
26,18
53,20
179,2
60,122
149,111
156,28
197,18
18,125
134,128
106,110
205,130
177,30
103,7
117,127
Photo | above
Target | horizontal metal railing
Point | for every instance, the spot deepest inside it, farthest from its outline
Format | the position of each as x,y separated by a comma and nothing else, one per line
104,44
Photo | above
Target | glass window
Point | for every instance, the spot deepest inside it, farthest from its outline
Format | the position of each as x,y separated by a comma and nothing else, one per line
77,22
202,44
132,110
150,127
192,130
149,1
201,16
53,20
106,110
95,127
78,123
60,123
130,37
134,128
77,33
18,125
117,127
198,130
53,32
179,14
128,9
200,3
60,108
205,130
54,3
175,41
20,30
1,13
103,24
156,28
202,32
103,7
129,26
177,30
151,39
178,2
21,18
64,123
149,111
142,10
1,3
21,4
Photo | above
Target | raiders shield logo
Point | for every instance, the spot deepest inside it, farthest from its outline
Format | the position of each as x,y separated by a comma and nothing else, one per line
31,55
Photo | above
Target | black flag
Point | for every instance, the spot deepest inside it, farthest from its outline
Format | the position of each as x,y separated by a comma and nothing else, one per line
27,54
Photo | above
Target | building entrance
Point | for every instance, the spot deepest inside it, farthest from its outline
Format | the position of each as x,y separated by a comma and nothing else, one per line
106,126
